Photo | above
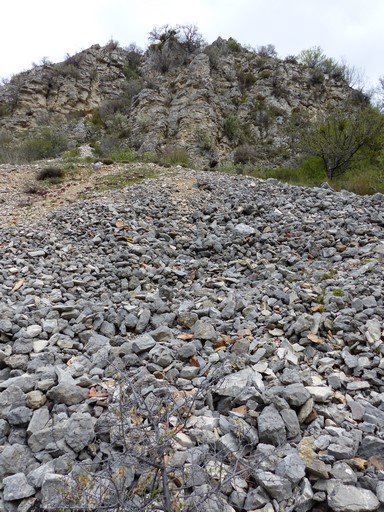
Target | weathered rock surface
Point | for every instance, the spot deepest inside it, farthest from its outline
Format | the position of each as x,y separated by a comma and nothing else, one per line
207,101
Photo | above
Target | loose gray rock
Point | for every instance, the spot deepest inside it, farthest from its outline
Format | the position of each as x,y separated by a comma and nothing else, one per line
204,331
276,486
143,343
291,467
296,394
271,427
79,431
67,394
233,384
347,498
285,316
17,487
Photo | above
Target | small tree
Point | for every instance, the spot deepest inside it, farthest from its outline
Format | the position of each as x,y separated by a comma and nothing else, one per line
339,135
268,50
315,58
188,36
134,58
141,465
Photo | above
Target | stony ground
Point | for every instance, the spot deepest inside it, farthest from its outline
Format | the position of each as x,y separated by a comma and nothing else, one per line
24,199
221,332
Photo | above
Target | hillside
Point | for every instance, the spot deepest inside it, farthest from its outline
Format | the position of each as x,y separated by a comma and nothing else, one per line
175,339
207,101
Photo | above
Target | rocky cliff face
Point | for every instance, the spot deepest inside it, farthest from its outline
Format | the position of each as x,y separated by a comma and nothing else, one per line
57,92
208,102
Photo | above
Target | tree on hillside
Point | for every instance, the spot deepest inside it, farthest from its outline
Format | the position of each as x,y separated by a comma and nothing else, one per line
340,134
188,36
315,58
171,46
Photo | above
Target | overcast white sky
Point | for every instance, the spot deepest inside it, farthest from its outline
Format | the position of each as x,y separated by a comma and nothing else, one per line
345,29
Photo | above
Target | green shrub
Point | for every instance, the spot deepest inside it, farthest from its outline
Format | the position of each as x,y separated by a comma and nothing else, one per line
234,46
143,123
268,51
246,79
263,116
232,128
45,142
187,37
113,148
342,136
5,110
51,174
204,139
118,124
245,154
366,180
316,76
175,156
134,56
122,103
214,55
68,69
291,59
312,168
122,155
129,73
71,153
112,45
5,137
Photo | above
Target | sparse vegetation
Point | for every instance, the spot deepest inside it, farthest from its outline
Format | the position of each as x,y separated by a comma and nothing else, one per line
143,430
246,79
41,143
245,154
213,53
112,148
174,156
188,37
122,179
204,139
232,127
265,74
4,110
315,58
170,46
268,51
329,275
234,45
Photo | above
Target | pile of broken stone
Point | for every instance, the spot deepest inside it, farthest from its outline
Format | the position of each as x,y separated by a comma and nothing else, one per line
250,310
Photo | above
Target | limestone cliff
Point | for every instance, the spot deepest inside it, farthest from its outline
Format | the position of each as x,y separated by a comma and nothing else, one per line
208,102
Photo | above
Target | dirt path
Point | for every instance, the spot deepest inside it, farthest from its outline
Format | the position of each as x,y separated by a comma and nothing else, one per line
25,200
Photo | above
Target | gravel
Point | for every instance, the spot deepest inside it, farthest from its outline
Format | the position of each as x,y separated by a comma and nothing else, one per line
261,300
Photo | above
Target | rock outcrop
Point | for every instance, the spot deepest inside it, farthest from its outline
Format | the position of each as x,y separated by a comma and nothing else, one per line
208,102
70,89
